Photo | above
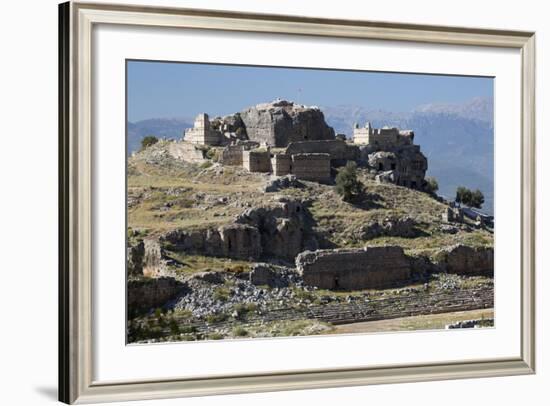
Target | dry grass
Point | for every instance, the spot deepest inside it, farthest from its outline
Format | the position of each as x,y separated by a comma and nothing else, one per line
165,194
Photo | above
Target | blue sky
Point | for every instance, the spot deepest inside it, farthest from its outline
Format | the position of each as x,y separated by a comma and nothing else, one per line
168,90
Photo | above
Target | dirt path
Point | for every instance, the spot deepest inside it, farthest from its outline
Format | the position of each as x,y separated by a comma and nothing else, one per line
423,322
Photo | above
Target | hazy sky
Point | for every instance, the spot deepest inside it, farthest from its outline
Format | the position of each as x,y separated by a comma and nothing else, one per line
164,89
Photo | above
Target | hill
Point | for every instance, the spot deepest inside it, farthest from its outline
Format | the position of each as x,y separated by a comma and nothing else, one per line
457,139
213,254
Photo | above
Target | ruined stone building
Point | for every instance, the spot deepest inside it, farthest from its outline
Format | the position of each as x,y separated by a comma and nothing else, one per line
283,138
385,137
392,154
349,269
202,133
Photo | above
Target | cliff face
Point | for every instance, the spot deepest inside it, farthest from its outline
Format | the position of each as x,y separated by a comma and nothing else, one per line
281,122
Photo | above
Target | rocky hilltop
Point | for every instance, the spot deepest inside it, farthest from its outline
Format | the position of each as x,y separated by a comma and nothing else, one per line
219,251
281,122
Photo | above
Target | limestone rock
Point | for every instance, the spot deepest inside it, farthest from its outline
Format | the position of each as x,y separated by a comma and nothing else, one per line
283,182
144,294
391,227
281,226
462,259
134,258
281,122
263,274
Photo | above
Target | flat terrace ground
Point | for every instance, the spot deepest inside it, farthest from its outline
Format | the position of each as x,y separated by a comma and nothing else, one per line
165,194
414,323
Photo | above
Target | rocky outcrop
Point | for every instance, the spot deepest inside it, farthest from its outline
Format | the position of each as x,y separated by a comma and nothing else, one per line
134,259
462,259
144,294
281,226
239,241
270,275
145,258
391,227
403,165
281,182
281,122
340,152
350,269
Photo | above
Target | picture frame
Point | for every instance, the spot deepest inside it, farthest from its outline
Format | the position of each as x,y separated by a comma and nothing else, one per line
76,213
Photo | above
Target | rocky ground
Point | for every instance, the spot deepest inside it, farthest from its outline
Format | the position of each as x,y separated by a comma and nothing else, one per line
220,297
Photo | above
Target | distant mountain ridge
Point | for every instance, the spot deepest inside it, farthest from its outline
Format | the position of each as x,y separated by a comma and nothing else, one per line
457,138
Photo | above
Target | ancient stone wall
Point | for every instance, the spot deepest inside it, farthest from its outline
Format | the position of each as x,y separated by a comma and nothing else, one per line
187,152
233,154
257,161
280,164
339,150
349,269
383,138
313,167
202,133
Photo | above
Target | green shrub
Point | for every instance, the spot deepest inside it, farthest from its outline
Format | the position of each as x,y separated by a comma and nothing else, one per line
469,198
240,332
148,140
215,336
347,184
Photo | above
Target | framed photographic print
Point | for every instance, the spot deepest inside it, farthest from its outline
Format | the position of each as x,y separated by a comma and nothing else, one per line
241,193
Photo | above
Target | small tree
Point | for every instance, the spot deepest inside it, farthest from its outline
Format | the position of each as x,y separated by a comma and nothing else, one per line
463,195
148,140
477,199
470,198
347,184
431,185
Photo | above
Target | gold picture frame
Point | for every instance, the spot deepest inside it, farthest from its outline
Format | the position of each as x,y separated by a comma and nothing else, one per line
76,383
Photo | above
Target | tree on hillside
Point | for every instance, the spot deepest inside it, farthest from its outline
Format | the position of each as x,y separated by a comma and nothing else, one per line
469,198
148,140
477,199
463,195
431,185
347,184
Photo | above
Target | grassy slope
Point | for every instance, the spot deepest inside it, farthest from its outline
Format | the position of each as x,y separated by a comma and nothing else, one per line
164,194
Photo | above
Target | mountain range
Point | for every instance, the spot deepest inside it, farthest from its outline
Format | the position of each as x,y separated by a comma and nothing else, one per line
456,138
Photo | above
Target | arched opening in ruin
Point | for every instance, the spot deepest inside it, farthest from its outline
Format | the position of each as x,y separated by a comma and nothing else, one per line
380,166
297,209
393,166
336,283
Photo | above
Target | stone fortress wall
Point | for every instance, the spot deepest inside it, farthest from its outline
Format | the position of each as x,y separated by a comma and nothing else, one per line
255,137
348,269
201,133
313,167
